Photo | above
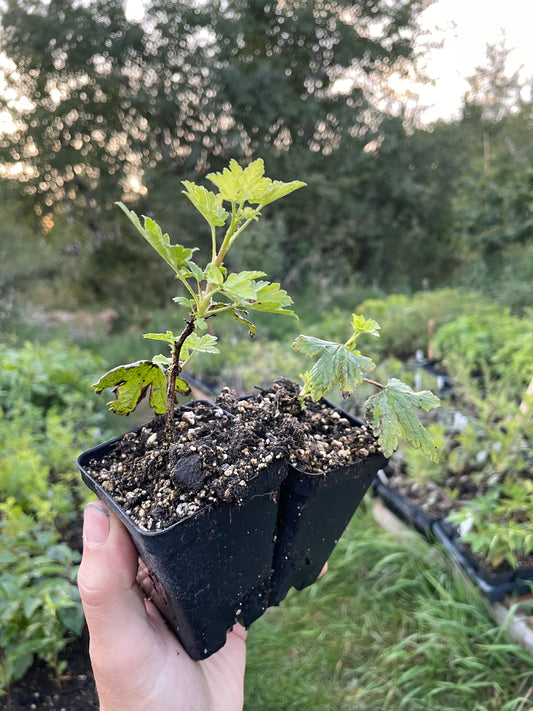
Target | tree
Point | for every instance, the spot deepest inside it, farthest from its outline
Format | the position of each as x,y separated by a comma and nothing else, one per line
104,107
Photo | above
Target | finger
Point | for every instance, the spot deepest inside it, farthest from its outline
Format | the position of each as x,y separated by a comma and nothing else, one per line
106,578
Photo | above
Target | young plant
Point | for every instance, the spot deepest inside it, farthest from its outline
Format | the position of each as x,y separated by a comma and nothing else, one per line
391,412
210,290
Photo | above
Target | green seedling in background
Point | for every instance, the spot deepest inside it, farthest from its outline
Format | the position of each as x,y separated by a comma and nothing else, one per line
212,290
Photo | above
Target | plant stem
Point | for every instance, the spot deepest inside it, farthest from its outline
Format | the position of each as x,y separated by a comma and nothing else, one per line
374,383
174,371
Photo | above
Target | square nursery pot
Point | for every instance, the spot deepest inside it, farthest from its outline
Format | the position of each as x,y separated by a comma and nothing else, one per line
493,585
212,567
314,510
228,563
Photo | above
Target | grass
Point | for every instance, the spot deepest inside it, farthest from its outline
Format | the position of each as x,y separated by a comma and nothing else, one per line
393,625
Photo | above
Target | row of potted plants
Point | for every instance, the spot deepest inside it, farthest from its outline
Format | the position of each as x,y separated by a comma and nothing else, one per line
478,498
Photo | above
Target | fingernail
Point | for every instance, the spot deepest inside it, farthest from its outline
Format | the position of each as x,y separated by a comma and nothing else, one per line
95,524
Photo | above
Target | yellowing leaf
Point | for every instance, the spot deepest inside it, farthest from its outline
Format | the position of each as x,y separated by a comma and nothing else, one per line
131,383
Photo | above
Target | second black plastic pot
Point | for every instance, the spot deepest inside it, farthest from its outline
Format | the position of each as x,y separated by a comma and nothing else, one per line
314,510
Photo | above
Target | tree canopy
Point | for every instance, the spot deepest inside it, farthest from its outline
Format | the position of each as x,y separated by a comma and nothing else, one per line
103,105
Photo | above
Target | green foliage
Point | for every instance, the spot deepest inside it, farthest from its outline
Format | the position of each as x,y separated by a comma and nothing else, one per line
336,365
405,320
489,340
42,429
498,525
391,413
39,601
240,292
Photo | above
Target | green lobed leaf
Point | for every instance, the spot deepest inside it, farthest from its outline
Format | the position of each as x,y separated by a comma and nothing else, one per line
242,287
238,185
194,271
276,190
184,301
336,365
198,344
130,385
167,337
207,203
175,255
214,275
392,414
362,325
271,298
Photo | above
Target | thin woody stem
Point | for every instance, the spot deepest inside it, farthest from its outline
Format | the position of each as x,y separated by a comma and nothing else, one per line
174,371
374,383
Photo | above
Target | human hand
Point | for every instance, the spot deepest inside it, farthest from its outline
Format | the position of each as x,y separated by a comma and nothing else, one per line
137,662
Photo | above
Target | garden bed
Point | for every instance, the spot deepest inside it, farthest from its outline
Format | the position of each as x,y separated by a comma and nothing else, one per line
39,689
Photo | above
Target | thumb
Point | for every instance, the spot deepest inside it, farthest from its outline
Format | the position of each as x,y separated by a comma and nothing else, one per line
106,577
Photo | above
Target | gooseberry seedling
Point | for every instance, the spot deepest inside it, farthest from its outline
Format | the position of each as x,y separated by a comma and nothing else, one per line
212,290
391,412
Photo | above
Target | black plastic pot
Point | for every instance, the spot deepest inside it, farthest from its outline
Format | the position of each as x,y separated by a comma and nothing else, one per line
494,586
213,567
401,507
229,563
313,513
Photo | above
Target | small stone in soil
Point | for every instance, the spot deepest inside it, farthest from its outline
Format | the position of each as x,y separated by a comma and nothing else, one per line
188,472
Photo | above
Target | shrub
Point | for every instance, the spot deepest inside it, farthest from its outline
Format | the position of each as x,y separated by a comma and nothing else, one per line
39,601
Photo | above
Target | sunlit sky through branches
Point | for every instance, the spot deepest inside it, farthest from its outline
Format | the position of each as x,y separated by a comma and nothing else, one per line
464,28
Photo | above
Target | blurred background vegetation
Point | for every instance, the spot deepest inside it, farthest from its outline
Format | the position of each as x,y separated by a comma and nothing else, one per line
409,223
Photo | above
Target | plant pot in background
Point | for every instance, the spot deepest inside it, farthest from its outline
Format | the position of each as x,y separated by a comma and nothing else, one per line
406,511
494,586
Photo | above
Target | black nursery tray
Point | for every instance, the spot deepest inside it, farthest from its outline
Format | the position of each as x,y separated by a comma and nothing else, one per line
401,507
494,586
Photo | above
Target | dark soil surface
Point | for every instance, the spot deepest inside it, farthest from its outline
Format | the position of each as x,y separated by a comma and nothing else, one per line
40,690
214,451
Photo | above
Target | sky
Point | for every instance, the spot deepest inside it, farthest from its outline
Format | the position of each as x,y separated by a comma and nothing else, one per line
466,27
